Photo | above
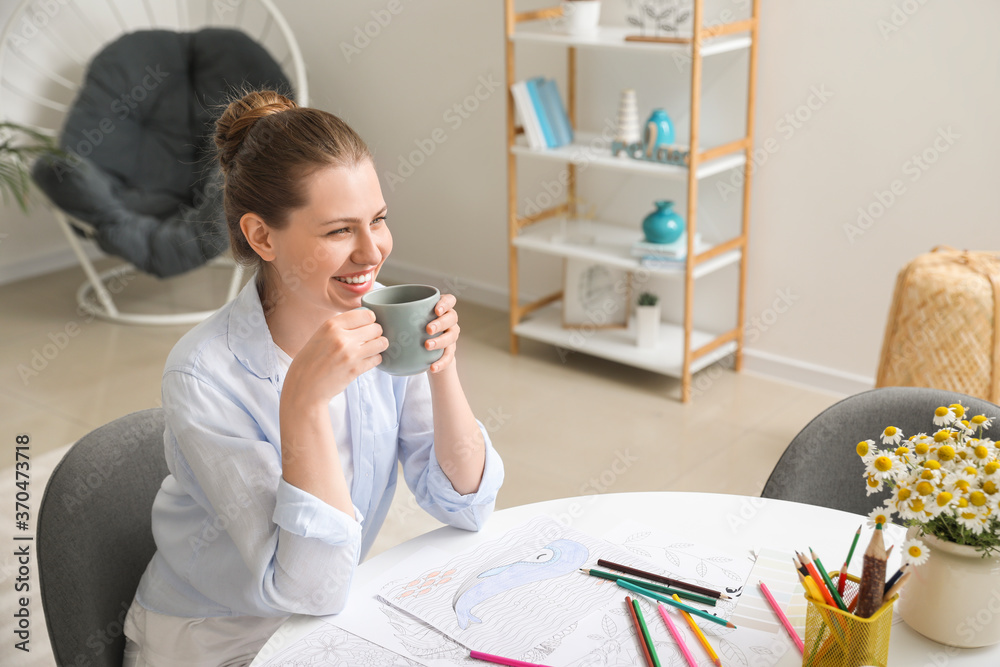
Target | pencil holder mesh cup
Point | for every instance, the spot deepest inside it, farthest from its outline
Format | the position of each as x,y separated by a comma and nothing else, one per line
836,638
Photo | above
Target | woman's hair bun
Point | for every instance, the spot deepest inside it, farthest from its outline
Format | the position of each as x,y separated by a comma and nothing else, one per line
239,118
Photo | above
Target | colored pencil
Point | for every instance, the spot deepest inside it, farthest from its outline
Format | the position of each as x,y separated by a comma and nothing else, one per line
895,587
676,634
818,580
666,590
843,571
799,566
699,634
872,588
676,583
894,578
781,617
680,605
810,586
645,632
638,631
510,662
826,579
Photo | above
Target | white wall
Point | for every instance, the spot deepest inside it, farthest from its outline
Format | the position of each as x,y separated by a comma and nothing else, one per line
887,94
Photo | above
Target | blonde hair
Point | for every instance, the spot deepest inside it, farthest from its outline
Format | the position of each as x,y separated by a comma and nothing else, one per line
266,145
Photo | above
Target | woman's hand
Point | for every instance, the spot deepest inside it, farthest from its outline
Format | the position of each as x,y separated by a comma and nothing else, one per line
447,324
343,347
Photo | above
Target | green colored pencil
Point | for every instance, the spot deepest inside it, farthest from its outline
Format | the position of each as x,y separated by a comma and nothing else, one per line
645,633
853,544
666,590
829,582
667,600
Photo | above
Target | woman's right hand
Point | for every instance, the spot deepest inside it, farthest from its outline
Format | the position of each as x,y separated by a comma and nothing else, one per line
343,347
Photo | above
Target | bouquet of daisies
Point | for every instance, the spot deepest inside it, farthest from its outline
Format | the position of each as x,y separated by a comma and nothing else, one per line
946,483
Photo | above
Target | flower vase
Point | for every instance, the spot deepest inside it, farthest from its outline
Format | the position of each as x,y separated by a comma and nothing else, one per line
663,225
954,597
647,324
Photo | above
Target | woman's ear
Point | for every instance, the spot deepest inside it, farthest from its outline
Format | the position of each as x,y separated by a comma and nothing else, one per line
258,235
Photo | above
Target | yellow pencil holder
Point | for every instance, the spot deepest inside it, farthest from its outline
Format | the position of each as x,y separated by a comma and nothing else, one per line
836,638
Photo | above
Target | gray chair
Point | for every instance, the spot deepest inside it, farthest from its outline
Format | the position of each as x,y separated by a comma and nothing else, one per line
821,467
94,536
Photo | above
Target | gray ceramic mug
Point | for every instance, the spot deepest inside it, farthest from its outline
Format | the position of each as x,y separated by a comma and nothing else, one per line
404,311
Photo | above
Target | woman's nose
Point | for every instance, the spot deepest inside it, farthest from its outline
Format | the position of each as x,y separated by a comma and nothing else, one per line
366,251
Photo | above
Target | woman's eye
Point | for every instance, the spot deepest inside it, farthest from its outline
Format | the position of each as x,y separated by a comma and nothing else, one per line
342,230
378,220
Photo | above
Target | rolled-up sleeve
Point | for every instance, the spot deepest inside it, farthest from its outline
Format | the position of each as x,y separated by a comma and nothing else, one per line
424,475
275,549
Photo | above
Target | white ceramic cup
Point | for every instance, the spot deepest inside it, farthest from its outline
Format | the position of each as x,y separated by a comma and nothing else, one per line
581,16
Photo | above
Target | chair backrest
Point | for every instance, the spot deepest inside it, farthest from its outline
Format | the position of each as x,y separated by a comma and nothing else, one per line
95,538
821,466
46,46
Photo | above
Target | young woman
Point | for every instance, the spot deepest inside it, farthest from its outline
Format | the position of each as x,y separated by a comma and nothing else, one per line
282,437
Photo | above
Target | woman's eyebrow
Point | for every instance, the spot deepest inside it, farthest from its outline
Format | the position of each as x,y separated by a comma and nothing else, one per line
354,220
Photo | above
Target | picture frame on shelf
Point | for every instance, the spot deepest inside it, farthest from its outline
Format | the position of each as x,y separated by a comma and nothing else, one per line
595,295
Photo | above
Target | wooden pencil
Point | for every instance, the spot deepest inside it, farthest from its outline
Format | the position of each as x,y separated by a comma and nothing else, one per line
646,633
826,579
666,590
700,635
896,587
872,588
894,578
842,580
676,583
663,598
638,631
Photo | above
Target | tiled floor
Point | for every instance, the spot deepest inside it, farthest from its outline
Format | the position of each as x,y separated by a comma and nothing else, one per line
560,425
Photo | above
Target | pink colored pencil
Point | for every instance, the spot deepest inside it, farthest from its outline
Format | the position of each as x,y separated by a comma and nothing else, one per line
677,636
781,617
510,662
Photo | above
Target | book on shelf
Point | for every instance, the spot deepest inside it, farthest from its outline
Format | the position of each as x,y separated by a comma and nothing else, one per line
651,254
542,114
526,111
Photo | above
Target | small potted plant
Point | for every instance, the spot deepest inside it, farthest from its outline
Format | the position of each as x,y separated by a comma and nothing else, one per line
647,319
19,146
581,16
946,489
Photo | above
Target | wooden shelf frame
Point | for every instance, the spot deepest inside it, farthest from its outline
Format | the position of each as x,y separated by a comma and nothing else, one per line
710,40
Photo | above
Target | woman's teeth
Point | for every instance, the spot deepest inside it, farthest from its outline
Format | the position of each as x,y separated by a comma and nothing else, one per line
355,280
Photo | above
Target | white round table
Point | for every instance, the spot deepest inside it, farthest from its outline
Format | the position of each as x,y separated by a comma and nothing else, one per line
719,519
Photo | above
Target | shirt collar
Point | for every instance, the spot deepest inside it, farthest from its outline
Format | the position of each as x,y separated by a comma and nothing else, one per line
249,336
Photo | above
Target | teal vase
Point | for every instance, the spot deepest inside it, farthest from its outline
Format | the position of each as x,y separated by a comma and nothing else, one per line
663,225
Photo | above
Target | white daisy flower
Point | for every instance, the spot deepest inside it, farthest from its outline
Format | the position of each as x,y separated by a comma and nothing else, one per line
943,416
866,450
891,436
981,421
959,482
971,519
913,509
915,552
872,485
884,466
880,515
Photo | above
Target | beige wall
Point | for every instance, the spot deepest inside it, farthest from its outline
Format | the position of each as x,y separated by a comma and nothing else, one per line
848,93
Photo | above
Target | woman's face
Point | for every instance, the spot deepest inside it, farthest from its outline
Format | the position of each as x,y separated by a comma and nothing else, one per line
333,248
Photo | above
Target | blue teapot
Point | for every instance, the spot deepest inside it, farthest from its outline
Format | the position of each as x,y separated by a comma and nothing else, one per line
659,132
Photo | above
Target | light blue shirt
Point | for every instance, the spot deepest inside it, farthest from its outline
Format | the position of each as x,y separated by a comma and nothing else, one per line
233,538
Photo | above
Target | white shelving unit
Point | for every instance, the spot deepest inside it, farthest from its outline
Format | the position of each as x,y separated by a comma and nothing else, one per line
681,350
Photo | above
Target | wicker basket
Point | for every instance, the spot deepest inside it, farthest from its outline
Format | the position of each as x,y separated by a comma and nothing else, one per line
942,329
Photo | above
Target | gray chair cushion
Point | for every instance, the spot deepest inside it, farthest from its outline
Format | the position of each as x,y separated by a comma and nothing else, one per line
94,536
142,170
821,466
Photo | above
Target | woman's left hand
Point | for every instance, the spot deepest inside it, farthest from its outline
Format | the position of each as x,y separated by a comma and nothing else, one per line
447,324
